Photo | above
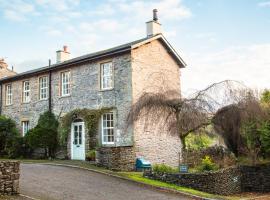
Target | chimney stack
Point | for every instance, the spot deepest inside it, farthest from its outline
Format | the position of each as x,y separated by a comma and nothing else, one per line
62,55
3,64
153,27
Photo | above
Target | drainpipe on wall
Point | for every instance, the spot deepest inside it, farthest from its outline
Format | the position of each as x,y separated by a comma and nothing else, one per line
50,87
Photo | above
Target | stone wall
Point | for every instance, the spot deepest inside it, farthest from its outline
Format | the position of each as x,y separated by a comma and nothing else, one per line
116,158
255,178
227,181
9,177
221,156
154,70
223,182
85,93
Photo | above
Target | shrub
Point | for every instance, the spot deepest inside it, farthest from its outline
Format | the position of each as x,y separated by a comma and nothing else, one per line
91,155
8,133
207,164
162,168
19,148
45,134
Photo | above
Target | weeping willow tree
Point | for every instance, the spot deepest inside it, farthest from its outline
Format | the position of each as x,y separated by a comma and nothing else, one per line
183,115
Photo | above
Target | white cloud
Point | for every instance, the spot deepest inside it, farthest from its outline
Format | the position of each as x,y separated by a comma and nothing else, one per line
17,10
264,4
249,64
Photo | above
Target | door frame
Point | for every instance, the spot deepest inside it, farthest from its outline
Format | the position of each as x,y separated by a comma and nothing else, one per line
72,138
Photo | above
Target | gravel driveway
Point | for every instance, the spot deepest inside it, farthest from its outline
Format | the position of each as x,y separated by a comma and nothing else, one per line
56,182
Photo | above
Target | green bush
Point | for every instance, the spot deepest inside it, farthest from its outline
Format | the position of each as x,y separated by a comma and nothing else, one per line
196,141
45,134
8,133
207,164
91,155
162,168
19,148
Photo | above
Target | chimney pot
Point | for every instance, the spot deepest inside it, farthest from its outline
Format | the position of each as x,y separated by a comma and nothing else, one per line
155,17
65,48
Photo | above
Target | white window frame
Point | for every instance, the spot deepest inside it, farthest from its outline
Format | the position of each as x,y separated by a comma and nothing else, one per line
25,127
104,117
106,79
26,92
8,94
65,83
43,87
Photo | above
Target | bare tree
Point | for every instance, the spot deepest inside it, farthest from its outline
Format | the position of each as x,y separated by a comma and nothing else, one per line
183,115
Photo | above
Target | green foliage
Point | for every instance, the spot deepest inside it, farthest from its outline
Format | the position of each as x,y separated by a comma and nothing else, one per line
207,164
265,97
198,141
162,168
265,136
8,133
90,117
45,134
19,148
91,155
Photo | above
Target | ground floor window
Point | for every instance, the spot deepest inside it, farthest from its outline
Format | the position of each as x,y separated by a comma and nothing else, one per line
25,127
107,128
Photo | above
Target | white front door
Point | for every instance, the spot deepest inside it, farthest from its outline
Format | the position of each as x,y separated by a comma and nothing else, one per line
77,141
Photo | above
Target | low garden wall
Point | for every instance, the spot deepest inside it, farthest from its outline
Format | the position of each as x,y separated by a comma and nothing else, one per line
255,178
221,156
116,158
227,181
9,177
223,182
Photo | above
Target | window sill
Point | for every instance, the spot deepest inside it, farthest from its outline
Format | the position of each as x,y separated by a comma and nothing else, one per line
8,105
60,97
43,99
104,90
26,102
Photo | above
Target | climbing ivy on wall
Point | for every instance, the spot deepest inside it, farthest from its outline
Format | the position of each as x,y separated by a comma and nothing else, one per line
90,118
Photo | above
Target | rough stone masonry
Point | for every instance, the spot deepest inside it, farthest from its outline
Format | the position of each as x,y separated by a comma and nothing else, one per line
9,177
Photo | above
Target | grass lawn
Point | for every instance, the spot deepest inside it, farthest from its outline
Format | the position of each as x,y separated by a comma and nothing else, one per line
138,177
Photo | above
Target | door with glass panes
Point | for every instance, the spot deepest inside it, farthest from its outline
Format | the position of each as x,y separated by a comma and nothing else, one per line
77,141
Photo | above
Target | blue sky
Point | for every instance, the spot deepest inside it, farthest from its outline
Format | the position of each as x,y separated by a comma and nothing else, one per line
218,39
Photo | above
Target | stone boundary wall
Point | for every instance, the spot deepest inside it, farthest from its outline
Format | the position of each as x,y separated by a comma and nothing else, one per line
255,178
221,156
227,181
223,182
9,177
116,158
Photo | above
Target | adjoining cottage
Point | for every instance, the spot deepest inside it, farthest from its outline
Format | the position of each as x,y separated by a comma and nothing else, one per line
114,78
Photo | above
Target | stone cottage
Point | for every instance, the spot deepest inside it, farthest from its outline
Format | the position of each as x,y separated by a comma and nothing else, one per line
114,78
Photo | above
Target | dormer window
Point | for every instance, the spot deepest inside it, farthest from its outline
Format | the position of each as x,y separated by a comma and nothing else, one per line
106,76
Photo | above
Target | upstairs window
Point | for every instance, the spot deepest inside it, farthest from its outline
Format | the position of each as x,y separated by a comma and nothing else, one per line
43,87
106,76
107,128
8,94
26,91
65,83
25,127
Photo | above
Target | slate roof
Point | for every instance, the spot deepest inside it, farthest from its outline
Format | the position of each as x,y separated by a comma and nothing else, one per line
96,55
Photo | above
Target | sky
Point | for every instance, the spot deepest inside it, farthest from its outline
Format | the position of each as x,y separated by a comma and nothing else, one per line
218,39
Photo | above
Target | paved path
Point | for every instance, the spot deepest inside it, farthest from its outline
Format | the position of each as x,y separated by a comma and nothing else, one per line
56,182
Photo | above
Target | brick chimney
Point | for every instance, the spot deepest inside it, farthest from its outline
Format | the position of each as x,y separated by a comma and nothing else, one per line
153,27
62,55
